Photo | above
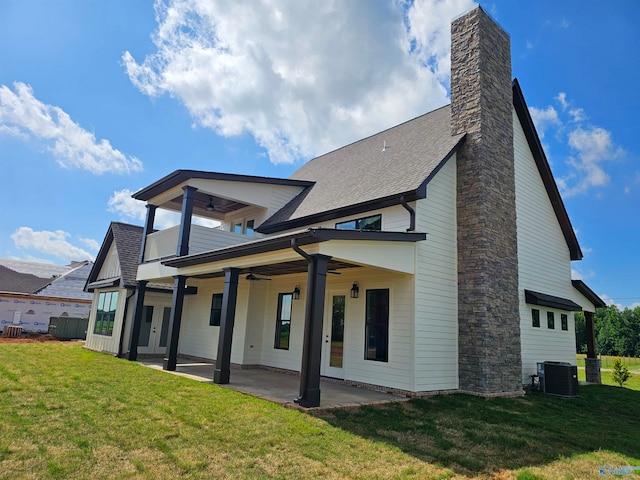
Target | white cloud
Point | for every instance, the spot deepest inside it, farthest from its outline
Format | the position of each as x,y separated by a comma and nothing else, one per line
634,305
51,243
304,77
23,116
578,275
91,244
562,98
587,147
544,118
131,209
610,301
592,146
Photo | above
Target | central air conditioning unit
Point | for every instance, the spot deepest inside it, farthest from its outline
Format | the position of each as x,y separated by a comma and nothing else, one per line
558,378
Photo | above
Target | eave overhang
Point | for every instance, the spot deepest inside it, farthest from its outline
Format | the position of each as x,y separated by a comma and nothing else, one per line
546,300
282,242
180,176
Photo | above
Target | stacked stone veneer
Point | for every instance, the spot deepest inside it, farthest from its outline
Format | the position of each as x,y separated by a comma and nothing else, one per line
481,106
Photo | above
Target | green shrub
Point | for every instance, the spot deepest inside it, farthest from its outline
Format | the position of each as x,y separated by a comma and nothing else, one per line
620,372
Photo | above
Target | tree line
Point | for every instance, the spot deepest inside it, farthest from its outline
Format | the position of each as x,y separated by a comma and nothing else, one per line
617,331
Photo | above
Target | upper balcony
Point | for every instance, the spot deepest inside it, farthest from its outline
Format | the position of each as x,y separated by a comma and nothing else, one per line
163,244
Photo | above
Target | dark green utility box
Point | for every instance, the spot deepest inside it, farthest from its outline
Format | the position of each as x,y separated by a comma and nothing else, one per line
68,328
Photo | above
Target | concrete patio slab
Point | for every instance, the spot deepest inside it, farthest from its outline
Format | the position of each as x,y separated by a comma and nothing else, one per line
278,387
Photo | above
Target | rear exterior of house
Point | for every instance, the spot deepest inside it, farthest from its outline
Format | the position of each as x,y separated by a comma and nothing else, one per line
433,256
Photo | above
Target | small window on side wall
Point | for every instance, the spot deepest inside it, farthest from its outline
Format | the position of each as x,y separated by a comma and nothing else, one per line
551,321
564,321
216,310
535,317
283,321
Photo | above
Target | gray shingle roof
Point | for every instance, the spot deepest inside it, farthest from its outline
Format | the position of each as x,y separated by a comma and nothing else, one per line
128,239
70,284
16,282
396,161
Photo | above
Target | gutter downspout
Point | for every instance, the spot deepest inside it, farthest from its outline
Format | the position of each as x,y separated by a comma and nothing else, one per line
412,214
124,323
299,251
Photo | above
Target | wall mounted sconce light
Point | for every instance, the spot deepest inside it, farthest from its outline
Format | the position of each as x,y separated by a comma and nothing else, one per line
296,293
355,290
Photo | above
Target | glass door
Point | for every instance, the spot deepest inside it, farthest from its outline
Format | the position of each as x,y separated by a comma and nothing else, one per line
333,347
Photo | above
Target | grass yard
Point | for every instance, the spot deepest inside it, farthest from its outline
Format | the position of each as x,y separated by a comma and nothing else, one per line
70,413
632,363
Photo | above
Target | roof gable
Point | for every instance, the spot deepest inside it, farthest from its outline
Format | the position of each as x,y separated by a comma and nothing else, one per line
127,239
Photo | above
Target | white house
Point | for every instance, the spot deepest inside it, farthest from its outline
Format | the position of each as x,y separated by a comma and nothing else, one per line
433,256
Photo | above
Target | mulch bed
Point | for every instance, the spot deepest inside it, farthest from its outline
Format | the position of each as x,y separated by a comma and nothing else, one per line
30,338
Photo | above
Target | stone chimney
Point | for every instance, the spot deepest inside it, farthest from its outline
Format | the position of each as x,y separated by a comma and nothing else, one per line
481,106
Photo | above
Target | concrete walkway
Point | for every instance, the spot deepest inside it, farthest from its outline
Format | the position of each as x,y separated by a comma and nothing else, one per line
278,387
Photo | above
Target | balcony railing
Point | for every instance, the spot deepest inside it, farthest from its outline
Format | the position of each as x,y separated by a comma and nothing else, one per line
164,243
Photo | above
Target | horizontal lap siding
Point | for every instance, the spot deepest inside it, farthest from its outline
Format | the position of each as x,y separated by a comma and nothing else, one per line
436,289
544,263
200,339
398,371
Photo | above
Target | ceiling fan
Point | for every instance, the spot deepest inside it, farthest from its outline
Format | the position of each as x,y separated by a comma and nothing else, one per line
252,277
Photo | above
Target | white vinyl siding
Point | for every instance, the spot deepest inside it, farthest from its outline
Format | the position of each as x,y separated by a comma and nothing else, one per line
544,263
436,289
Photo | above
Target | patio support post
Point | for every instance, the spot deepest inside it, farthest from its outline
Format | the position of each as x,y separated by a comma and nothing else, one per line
148,228
590,334
185,220
222,372
171,356
312,346
592,362
137,320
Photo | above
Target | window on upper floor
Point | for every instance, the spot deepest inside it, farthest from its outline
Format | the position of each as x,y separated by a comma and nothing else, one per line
244,227
374,222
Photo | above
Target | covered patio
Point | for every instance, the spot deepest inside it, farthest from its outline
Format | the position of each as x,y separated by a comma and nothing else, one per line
277,387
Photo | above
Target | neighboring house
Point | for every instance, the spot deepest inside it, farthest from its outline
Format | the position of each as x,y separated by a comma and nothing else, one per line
31,293
433,256
112,281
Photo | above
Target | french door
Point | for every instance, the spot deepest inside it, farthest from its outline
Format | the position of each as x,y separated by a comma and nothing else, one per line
154,329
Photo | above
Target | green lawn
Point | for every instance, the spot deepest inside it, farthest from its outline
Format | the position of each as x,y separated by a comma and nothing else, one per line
632,363
70,413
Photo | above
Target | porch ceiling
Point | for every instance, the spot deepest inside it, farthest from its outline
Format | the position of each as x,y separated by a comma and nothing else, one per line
282,268
222,205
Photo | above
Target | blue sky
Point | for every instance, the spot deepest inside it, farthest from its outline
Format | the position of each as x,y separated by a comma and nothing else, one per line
101,98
